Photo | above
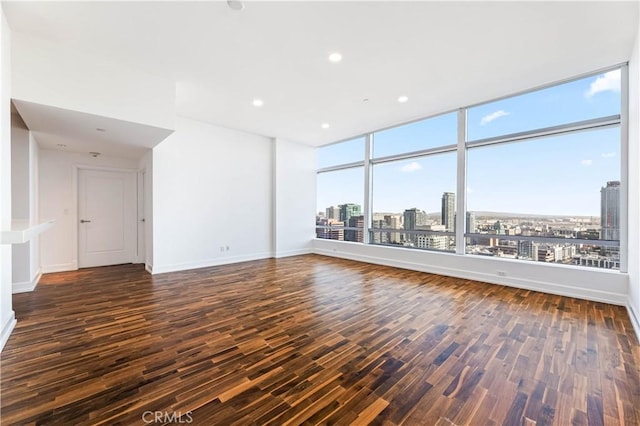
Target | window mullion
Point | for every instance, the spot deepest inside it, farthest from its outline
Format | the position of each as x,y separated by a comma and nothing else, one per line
624,167
461,193
368,216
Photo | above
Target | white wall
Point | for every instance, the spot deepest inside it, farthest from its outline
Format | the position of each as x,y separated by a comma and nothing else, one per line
7,316
584,283
20,174
24,204
634,185
58,200
34,244
211,189
294,197
20,197
146,164
51,74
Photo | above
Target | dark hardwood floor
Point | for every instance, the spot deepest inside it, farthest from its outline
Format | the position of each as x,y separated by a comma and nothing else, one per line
312,340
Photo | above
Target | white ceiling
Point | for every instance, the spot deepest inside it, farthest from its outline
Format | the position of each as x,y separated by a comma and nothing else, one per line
78,131
442,55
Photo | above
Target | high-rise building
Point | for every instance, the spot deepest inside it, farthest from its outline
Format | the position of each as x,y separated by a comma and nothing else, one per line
384,226
393,222
471,223
410,219
449,211
379,237
610,211
348,210
413,218
352,234
335,232
569,251
332,213
528,249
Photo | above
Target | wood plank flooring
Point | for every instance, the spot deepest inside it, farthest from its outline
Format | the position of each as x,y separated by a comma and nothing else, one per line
312,340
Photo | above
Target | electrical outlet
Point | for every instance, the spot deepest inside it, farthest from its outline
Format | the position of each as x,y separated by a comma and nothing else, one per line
221,248
501,273
227,248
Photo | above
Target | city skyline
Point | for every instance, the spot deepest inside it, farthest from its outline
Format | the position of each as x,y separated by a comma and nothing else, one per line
416,219
493,212
497,215
575,241
473,214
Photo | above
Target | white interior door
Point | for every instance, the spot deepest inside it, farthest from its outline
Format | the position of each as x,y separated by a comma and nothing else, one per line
107,218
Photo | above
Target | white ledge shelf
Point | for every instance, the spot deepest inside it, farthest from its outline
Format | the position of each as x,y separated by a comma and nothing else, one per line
23,230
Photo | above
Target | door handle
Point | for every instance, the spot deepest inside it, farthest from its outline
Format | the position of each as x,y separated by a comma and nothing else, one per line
84,221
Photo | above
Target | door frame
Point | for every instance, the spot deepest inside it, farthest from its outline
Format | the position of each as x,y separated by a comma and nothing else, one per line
75,183
141,175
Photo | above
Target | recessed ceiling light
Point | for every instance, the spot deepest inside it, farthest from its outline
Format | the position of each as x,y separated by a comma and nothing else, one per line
365,100
99,129
235,4
325,125
258,102
403,99
335,57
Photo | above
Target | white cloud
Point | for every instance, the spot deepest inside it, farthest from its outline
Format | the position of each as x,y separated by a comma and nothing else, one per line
608,154
586,163
606,82
411,167
489,118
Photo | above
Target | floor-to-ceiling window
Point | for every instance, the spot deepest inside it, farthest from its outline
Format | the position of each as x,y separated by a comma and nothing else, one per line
340,189
413,184
535,177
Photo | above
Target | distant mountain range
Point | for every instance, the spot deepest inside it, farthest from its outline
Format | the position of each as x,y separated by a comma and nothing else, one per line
510,215
505,215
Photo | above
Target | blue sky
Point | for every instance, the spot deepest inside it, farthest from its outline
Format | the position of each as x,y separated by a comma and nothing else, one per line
560,175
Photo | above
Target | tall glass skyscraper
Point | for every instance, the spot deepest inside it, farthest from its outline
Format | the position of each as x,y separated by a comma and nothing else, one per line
449,211
348,210
471,222
610,211
413,218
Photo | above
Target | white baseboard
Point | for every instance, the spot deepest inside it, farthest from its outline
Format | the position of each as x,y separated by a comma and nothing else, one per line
289,253
527,284
635,319
26,286
149,268
61,267
209,262
7,328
